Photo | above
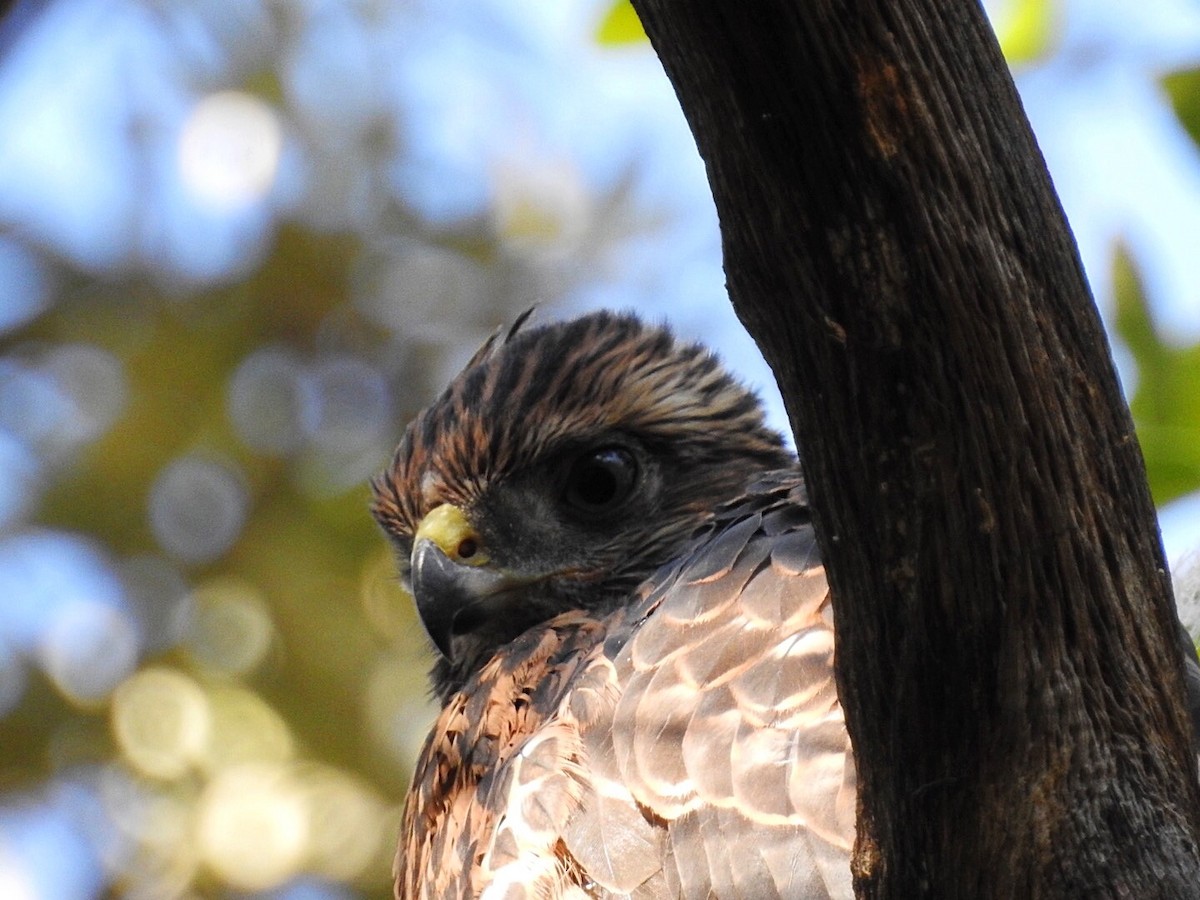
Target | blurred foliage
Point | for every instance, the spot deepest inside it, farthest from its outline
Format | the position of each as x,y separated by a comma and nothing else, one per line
339,670
620,25
1184,90
1026,29
224,692
1166,403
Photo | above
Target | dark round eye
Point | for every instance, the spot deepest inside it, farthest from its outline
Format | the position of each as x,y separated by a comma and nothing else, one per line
601,480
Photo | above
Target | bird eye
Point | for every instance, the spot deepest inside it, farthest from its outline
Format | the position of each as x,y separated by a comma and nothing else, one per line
600,480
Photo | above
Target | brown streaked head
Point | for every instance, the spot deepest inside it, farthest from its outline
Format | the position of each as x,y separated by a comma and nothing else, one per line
559,470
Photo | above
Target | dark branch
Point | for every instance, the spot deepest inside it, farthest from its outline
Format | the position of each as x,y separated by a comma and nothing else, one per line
1006,644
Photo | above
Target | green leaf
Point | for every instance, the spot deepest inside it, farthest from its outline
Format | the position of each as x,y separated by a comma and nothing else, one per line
1133,322
1184,90
1166,404
1026,29
620,25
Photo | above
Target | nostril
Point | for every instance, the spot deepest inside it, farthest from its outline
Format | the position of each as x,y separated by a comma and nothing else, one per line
467,548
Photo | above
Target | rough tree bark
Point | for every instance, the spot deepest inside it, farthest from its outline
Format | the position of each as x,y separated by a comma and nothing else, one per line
1007,653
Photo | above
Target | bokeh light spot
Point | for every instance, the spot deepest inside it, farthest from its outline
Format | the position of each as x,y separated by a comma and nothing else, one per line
159,598
160,719
421,291
542,209
388,606
88,648
398,709
197,509
65,397
346,413
346,823
15,882
95,383
244,729
252,826
264,401
61,603
229,150
12,682
44,850
151,845
33,406
231,627
347,403
20,476
26,286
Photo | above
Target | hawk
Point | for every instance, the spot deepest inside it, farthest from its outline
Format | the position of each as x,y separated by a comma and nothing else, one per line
613,555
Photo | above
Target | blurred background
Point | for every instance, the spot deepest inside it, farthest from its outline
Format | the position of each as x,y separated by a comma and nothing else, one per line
242,243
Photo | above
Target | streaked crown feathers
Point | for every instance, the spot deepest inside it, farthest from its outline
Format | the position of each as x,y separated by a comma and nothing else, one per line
527,389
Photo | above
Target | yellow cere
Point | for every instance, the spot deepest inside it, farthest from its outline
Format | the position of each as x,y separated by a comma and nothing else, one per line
447,526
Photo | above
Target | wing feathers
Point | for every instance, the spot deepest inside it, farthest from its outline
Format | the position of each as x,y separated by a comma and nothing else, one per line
688,746
722,551
728,725
615,844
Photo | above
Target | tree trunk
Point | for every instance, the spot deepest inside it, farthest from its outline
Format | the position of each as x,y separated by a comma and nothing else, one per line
1006,647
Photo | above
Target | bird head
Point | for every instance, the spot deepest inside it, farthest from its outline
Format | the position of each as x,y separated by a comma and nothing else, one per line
558,471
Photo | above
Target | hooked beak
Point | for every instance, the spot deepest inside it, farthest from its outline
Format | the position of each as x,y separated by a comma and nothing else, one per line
455,592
